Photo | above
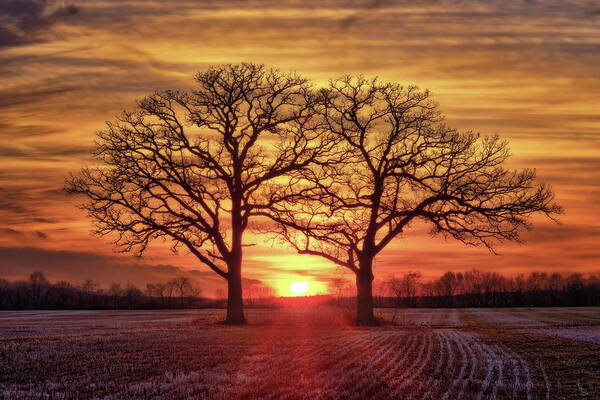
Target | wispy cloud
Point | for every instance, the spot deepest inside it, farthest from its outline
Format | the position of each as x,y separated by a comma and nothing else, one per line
527,70
25,21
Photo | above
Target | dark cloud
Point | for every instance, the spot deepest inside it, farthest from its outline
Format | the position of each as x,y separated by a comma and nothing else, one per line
18,262
11,202
40,92
550,235
10,232
250,282
593,12
24,21
23,205
10,151
11,130
316,275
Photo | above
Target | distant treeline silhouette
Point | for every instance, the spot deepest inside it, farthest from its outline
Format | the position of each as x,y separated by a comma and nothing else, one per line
39,293
489,289
477,289
453,289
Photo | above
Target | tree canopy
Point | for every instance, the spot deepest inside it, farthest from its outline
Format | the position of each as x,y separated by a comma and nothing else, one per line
192,167
401,163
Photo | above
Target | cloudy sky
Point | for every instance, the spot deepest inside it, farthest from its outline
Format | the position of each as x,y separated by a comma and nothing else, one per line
527,70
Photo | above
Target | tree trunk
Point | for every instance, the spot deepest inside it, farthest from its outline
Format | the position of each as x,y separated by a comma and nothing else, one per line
235,301
364,294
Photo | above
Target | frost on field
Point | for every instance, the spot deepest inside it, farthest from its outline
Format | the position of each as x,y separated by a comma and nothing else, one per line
584,333
187,357
381,364
420,317
285,354
502,318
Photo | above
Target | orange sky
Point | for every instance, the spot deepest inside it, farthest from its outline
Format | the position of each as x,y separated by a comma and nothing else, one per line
527,70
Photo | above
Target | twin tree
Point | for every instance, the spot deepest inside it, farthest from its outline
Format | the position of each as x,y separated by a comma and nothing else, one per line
337,172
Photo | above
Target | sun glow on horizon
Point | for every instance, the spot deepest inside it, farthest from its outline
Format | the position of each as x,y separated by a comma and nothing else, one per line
299,288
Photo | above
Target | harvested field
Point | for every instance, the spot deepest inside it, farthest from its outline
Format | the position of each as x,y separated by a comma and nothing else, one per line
502,317
562,316
293,354
584,333
421,317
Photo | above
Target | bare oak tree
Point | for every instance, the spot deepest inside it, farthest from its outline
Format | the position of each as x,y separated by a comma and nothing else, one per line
193,167
402,164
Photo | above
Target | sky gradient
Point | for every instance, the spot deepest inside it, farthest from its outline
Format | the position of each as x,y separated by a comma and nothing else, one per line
526,70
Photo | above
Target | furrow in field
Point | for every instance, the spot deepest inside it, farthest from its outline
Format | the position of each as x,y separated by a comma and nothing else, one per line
373,343
500,370
463,366
546,382
408,369
489,364
258,375
439,376
283,362
472,362
398,361
416,372
354,371
526,375
443,354
414,383
332,378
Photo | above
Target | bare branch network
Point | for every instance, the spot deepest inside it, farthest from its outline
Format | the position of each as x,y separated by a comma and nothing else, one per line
171,168
402,163
340,171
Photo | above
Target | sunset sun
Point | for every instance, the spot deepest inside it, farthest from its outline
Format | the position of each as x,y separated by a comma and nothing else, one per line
299,288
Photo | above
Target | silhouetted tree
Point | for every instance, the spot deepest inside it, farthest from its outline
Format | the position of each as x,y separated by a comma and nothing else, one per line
133,295
193,167
87,288
402,164
116,291
160,290
183,287
405,287
39,285
447,286
395,287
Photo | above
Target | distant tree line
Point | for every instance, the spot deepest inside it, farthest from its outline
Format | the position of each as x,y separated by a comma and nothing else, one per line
39,293
479,289
453,289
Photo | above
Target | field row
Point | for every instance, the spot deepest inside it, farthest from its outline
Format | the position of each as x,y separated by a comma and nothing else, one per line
354,364
293,355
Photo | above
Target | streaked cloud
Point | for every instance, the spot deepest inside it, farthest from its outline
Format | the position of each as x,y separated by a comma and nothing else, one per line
527,70
25,21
